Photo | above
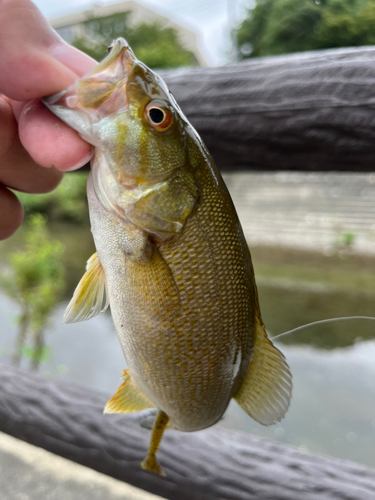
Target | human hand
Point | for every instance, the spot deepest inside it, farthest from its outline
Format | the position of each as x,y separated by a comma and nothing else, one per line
35,146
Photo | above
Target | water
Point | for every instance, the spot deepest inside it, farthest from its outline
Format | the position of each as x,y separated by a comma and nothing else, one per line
333,405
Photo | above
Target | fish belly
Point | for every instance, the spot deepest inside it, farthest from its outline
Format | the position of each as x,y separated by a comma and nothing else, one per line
185,319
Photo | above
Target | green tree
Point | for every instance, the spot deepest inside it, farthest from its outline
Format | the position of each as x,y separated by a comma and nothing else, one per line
35,280
366,24
67,202
155,46
284,26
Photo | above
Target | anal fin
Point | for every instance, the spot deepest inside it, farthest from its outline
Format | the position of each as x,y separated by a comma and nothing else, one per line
266,391
90,298
128,398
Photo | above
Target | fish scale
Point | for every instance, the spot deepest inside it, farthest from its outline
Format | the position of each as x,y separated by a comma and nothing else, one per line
223,332
171,258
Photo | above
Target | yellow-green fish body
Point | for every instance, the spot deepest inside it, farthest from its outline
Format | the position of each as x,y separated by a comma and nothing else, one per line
171,258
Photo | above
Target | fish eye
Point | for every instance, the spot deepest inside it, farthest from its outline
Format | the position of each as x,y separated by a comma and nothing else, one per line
158,116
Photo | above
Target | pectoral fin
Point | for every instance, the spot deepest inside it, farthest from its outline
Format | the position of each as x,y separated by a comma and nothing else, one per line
128,398
154,289
266,391
90,297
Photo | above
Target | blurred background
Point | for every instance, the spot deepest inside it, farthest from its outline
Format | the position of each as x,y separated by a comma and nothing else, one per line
312,235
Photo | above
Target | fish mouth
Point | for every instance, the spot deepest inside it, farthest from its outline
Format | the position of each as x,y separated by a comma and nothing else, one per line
97,86
118,62
100,93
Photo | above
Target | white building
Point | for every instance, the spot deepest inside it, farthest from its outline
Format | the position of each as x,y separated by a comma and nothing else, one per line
74,26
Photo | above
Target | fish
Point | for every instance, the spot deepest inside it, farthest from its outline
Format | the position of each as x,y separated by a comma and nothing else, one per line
171,258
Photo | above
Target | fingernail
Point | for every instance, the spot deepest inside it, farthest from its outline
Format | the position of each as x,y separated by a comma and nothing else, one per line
22,108
81,163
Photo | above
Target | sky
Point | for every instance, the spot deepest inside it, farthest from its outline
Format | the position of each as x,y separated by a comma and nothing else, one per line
210,19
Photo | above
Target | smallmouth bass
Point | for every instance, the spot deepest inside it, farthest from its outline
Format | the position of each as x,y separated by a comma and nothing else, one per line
171,259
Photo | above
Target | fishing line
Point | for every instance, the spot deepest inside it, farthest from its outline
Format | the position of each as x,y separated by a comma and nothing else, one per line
320,322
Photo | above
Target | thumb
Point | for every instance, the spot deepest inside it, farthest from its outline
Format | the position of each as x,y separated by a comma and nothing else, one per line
34,60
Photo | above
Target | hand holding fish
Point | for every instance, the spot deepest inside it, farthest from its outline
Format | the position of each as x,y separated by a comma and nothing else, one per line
35,146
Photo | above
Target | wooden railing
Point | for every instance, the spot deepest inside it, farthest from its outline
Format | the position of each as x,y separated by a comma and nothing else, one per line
309,111
214,464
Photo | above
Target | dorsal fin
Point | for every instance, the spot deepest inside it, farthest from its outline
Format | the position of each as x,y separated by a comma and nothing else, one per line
266,391
90,298
128,398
